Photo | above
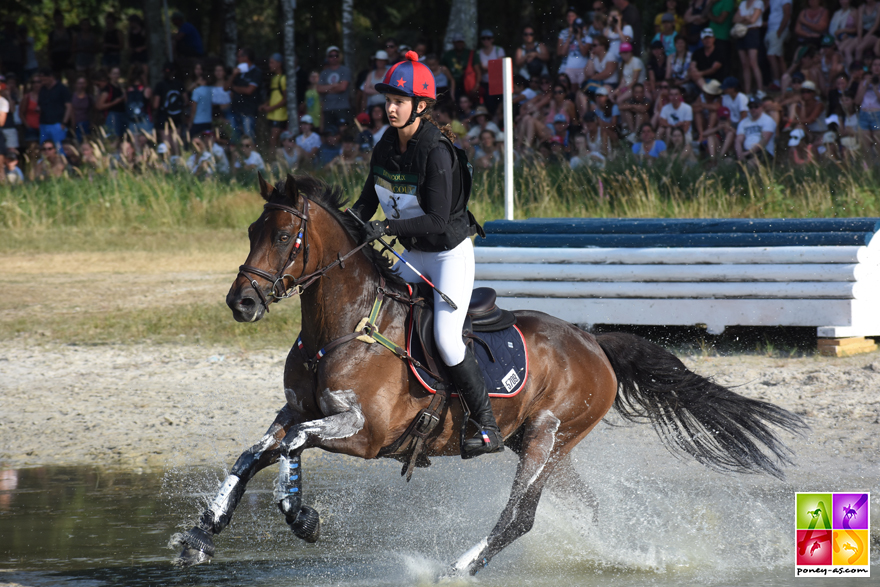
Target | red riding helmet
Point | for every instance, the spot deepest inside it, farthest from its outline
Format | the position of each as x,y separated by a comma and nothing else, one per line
409,78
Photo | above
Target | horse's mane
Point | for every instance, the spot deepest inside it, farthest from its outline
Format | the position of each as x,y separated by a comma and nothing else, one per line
332,199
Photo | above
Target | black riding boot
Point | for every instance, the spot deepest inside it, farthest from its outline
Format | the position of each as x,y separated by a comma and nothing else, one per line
469,381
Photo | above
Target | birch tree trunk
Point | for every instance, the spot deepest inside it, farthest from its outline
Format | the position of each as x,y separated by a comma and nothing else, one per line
463,21
230,33
347,34
290,65
155,37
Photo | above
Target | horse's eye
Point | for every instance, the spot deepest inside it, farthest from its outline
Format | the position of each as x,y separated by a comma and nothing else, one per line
284,238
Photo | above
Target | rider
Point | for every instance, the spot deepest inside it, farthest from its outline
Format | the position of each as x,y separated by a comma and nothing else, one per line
415,176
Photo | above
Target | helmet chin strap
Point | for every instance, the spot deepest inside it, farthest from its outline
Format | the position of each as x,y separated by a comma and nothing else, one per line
415,113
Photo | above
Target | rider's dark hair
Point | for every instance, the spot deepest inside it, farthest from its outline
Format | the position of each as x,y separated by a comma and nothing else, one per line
426,114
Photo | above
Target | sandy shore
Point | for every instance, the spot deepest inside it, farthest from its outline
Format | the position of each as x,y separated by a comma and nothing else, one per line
164,406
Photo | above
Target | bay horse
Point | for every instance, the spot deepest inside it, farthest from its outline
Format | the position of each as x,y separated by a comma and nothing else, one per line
346,396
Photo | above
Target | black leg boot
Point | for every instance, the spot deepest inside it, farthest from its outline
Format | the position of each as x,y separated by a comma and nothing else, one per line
469,381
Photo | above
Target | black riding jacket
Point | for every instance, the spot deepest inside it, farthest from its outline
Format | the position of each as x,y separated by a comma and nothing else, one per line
420,190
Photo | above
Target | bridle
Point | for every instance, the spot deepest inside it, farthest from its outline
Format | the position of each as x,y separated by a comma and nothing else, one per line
300,243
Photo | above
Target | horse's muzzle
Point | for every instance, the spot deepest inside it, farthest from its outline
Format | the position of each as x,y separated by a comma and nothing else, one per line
245,303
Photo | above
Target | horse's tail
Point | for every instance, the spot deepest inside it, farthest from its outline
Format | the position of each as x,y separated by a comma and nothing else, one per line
694,415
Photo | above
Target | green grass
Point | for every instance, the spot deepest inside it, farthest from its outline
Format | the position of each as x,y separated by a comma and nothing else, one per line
196,323
176,213
124,210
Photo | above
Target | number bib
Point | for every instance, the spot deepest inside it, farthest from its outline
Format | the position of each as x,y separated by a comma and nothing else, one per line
398,194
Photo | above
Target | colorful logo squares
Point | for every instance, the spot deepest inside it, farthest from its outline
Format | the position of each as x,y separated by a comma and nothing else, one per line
832,534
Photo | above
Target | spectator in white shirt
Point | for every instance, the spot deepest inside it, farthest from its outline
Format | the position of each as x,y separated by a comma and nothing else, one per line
755,135
249,160
734,100
308,141
675,114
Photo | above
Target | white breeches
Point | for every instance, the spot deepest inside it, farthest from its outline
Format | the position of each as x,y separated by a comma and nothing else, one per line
452,272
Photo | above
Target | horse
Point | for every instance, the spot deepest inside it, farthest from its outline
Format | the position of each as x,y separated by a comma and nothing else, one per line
346,396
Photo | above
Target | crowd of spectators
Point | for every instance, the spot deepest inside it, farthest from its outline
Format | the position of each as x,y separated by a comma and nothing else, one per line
707,82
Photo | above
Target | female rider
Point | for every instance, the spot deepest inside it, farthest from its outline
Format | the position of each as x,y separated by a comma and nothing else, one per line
415,177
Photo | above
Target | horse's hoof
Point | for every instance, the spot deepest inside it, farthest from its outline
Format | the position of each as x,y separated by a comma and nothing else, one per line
307,524
198,547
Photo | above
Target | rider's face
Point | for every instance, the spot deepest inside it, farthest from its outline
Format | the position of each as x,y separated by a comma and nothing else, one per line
399,109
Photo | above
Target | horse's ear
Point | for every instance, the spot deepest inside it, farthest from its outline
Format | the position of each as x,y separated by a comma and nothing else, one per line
290,189
266,190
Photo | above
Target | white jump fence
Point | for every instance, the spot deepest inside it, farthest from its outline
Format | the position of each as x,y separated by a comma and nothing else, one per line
822,273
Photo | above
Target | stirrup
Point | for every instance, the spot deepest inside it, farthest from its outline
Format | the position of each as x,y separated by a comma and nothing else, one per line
490,441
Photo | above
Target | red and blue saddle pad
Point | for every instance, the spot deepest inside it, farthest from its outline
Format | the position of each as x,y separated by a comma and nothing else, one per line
505,376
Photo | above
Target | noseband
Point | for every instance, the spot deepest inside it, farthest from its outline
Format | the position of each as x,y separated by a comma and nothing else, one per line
298,285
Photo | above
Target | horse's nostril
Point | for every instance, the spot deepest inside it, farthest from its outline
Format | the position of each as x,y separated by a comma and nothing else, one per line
247,303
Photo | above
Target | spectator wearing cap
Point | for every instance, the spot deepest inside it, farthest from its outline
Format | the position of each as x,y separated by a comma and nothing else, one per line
735,101
807,66
635,110
333,87
276,106
479,122
705,109
560,127
608,115
676,114
187,40
245,88
800,151
755,135
602,67
812,24
56,110
488,52
13,173
749,14
457,60
573,46
671,10
632,71
649,149
667,34
370,96
631,16
531,57
308,141
706,62
778,20
617,32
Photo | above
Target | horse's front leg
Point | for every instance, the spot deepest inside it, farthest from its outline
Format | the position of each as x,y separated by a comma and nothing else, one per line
197,543
338,432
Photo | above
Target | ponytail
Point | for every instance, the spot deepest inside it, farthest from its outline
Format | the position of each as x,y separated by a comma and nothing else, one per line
426,115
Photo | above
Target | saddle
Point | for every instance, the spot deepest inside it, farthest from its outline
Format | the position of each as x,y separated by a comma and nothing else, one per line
483,316
500,350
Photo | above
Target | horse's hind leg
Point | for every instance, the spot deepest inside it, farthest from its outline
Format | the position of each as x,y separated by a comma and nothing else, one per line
566,482
197,543
537,459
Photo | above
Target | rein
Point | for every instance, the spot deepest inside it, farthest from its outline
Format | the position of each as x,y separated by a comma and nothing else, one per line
298,284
